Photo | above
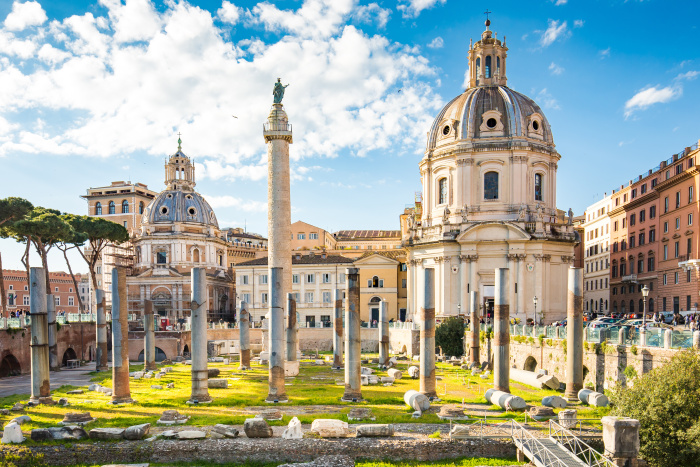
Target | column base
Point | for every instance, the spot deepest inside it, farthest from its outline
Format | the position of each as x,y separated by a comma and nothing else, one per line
243,368
150,366
122,400
351,398
432,396
102,368
337,368
199,401
277,399
47,400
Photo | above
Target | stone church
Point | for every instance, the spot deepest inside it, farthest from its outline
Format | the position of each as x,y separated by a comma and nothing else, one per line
489,178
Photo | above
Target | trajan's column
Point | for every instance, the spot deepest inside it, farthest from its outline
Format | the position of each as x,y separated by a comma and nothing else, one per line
278,136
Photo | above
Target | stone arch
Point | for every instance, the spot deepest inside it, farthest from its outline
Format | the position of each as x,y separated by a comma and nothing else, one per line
160,355
186,349
530,364
9,366
69,354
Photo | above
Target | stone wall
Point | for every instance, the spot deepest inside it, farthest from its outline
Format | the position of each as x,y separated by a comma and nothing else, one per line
404,340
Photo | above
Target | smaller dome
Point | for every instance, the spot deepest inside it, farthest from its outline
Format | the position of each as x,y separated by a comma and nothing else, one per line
179,206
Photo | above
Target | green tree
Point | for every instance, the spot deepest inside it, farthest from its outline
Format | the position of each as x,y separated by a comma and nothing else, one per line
449,336
73,240
666,401
11,209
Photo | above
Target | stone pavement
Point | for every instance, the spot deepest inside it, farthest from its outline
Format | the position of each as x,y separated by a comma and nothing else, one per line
22,384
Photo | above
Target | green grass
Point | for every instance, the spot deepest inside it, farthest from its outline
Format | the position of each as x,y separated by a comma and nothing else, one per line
462,462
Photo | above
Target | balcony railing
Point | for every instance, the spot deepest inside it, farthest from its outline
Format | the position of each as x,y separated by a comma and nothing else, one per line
629,278
267,126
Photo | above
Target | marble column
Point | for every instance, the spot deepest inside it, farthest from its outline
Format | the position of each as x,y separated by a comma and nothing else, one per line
101,350
383,333
338,329
427,337
244,336
149,336
121,394
353,348
574,334
474,309
198,349
291,328
522,287
54,363
39,345
501,333
463,286
276,391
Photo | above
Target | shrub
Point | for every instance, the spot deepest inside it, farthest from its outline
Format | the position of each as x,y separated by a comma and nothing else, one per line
540,339
434,435
450,336
531,340
666,403
633,349
630,372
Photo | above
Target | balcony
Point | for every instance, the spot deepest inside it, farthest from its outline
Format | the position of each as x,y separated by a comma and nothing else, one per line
630,278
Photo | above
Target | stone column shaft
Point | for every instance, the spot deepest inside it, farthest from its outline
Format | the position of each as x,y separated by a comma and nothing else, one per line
353,347
292,343
574,333
102,349
121,393
276,390
338,329
39,345
383,333
427,337
198,349
244,336
474,308
149,336
501,333
54,363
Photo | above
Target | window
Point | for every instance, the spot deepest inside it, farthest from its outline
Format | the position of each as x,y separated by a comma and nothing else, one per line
678,223
313,236
615,226
326,297
57,300
141,207
326,278
442,195
341,278
98,209
652,212
25,300
263,279
112,208
652,236
690,194
679,168
126,224
263,297
650,264
632,238
301,236
675,277
665,252
654,182
70,290
642,215
633,219
687,275
491,185
640,266
538,187
678,199
690,247
244,280
478,69
666,227
634,193
641,238
644,188
666,204
404,268
70,301
403,283
690,219
125,207
310,278
623,223
623,269
665,282
161,257
487,66
246,297
295,278
309,297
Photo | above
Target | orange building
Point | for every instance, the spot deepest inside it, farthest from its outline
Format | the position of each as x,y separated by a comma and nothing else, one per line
17,290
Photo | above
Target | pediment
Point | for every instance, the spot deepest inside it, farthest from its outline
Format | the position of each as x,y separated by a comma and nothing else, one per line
493,231
377,259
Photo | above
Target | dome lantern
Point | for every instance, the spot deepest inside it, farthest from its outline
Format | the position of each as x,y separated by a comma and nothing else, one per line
487,60
179,170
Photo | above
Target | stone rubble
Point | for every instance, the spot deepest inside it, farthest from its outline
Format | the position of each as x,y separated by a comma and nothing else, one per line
137,432
330,428
172,417
361,413
293,430
12,433
77,418
257,428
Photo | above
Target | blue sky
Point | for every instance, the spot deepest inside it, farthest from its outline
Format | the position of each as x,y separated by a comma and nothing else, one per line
96,91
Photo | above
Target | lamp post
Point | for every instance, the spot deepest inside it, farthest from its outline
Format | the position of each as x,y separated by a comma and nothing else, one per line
534,300
645,293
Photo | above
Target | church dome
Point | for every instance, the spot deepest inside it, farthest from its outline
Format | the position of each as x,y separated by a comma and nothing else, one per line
179,206
488,115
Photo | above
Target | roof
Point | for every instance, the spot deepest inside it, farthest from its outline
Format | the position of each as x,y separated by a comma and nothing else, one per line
245,235
393,254
303,259
354,234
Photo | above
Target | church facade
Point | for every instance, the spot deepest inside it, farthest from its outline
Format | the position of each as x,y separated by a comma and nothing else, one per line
489,177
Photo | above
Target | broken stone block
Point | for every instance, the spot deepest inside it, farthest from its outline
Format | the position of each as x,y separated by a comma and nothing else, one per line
77,418
451,412
555,402
190,434
271,414
459,432
413,372
170,385
225,430
541,413
394,373
330,428
172,417
137,432
416,400
12,433
505,400
61,433
360,413
76,391
218,383
386,380
567,418
17,407
63,402
257,428
476,371
374,430
156,386
293,430
21,419
326,461
291,368
213,372
106,433
367,371
593,398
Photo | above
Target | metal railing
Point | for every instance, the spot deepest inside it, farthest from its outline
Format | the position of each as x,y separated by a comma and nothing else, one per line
267,126
535,446
580,449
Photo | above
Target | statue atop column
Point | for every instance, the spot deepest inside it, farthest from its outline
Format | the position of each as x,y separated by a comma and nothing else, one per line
278,91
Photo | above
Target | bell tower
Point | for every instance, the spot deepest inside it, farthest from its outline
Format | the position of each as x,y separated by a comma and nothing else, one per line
487,59
179,171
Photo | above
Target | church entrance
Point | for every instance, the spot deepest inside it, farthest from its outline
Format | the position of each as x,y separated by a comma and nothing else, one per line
375,317
488,308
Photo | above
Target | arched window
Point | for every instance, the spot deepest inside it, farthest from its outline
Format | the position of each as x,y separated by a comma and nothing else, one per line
498,66
606,305
125,207
651,305
478,69
442,195
141,207
112,208
98,209
622,307
491,185
538,187
614,307
641,305
631,306
487,67
195,255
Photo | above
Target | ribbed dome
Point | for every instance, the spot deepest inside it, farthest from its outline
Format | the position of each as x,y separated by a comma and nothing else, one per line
490,114
179,206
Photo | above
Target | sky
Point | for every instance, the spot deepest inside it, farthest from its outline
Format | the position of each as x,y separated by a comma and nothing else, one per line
96,91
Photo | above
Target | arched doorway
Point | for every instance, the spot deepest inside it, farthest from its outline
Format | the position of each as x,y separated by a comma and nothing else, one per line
69,354
374,304
530,364
160,355
9,366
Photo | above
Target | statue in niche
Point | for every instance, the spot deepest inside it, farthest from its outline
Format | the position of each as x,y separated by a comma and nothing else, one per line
522,213
446,216
278,91
540,213
571,216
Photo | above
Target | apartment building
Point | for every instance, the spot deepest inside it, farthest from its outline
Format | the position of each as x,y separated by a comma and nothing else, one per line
596,257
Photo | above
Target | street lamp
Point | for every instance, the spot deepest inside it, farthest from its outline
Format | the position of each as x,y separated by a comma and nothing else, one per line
645,293
534,300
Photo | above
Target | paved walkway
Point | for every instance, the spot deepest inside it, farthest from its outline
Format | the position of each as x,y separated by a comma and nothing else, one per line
22,384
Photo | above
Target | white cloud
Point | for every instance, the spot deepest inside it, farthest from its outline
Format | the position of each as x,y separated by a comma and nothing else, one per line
547,100
315,18
437,43
371,14
555,30
603,54
555,69
229,13
136,20
227,201
24,15
578,23
650,96
413,8
14,46
560,2
689,75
